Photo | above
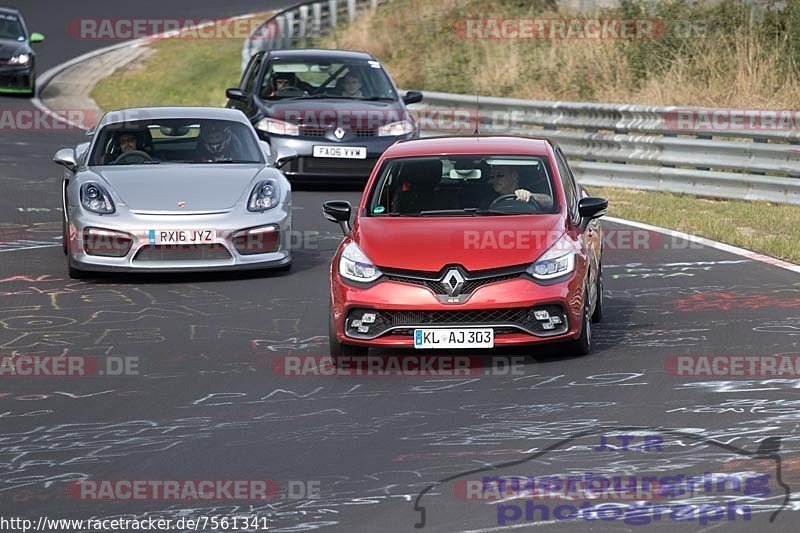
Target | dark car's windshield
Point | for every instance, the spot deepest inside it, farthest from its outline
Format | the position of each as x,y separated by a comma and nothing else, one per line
10,27
463,186
359,80
175,141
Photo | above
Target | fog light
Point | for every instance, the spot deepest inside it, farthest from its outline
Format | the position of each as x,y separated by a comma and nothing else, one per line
363,329
555,319
541,315
368,318
548,325
355,323
106,243
261,240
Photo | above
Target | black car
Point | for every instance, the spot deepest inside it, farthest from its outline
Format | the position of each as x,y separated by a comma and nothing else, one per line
17,60
327,114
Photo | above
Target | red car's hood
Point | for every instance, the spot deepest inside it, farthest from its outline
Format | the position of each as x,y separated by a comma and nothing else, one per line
476,243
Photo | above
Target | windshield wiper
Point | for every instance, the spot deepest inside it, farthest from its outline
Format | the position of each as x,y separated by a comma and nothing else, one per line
468,211
494,212
375,98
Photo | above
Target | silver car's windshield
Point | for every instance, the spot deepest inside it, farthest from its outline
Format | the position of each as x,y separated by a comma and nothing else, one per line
467,185
352,79
188,141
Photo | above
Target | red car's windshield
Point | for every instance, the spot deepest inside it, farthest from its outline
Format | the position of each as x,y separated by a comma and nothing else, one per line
463,185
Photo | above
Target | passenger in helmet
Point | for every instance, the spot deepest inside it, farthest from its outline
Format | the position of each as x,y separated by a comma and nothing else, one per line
216,143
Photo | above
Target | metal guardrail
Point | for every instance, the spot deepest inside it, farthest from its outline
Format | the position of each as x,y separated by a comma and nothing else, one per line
631,146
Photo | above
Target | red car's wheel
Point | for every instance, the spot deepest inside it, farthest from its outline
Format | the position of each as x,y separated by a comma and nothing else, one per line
583,344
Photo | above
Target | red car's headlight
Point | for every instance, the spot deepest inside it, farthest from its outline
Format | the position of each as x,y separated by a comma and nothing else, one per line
557,261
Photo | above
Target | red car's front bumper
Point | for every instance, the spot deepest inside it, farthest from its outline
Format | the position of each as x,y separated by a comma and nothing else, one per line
507,306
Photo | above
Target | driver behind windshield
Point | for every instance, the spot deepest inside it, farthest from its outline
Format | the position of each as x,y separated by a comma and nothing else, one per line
126,143
505,180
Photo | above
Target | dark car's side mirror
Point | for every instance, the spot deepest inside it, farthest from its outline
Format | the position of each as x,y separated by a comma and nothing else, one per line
412,97
338,211
235,93
590,208
66,157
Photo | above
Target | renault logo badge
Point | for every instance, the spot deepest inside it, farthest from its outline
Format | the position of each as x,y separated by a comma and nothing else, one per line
339,133
453,282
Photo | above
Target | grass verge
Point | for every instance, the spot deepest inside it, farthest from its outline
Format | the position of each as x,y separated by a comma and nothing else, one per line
771,229
178,72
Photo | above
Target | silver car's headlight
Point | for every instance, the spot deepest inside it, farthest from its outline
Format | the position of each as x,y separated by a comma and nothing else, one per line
277,127
356,266
404,127
557,261
266,195
95,198
20,59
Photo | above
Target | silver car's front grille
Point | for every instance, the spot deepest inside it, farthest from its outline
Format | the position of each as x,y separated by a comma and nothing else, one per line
189,252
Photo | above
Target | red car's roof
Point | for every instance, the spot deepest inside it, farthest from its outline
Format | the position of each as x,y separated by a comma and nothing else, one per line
505,145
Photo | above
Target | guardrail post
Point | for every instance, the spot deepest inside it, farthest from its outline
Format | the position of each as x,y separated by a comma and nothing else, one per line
316,19
289,35
280,22
332,13
302,29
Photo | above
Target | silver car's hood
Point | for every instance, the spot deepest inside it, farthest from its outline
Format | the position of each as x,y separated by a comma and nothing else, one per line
165,188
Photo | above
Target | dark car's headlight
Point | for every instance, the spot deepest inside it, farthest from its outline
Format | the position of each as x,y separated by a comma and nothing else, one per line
95,198
356,266
20,59
557,261
266,195
277,127
403,127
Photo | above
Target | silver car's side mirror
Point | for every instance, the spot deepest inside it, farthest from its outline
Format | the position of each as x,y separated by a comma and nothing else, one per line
66,157
267,150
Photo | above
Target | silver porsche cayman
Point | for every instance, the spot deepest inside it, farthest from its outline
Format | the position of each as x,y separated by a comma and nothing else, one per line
174,189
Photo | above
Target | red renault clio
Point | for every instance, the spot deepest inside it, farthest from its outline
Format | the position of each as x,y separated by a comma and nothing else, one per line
467,242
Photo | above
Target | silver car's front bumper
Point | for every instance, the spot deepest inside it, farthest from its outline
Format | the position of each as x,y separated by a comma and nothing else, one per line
143,255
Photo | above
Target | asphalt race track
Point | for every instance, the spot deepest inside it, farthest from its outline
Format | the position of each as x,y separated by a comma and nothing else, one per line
208,404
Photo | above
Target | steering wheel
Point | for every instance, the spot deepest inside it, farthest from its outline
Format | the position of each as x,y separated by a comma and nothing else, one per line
513,197
290,91
133,157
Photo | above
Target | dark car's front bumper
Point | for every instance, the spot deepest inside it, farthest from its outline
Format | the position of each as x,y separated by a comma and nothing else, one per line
303,166
16,78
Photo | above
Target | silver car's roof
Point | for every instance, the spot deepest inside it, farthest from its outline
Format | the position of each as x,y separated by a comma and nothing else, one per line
160,113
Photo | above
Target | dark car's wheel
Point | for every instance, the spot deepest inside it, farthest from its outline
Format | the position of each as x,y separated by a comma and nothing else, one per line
340,349
597,316
583,344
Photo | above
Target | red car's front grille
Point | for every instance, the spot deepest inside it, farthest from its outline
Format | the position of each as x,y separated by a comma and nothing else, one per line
472,281
520,319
